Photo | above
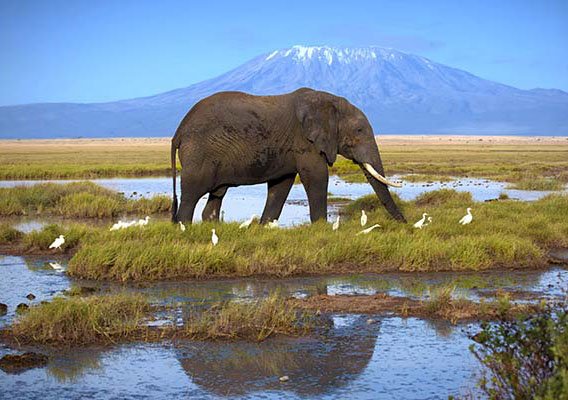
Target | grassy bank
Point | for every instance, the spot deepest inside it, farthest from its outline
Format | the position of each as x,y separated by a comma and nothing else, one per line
505,234
76,200
253,321
81,321
529,162
442,306
106,319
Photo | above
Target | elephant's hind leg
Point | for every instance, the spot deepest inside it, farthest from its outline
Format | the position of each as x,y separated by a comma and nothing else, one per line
191,193
278,191
212,209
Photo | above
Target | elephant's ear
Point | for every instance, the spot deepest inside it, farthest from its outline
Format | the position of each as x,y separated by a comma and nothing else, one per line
319,118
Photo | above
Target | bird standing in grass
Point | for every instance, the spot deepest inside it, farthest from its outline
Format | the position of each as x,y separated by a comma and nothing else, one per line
419,224
466,219
118,225
335,225
363,218
181,226
273,224
214,237
249,221
365,231
57,242
143,222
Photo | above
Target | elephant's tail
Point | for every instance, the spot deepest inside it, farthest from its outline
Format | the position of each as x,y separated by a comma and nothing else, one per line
175,200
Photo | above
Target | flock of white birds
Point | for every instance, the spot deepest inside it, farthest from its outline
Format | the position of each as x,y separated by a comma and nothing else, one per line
424,221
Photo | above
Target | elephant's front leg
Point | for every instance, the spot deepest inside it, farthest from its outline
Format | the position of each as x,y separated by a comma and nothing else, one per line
278,191
212,209
315,176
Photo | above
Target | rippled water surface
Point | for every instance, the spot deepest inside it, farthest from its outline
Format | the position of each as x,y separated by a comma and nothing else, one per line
391,358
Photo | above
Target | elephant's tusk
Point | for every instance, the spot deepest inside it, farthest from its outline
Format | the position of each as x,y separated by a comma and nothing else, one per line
378,176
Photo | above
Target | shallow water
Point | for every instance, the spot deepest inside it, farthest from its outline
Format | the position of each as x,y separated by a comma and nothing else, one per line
391,358
243,201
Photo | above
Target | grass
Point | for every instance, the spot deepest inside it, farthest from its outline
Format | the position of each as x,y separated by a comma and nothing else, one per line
75,200
503,234
81,321
254,321
538,183
514,161
506,233
84,158
442,303
106,319
9,235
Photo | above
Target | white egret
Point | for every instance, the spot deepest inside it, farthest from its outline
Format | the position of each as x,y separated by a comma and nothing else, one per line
273,224
56,266
365,231
249,221
363,218
214,237
335,225
419,224
466,219
143,222
57,242
118,225
181,226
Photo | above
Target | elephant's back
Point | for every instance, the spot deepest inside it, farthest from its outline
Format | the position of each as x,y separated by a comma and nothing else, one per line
237,116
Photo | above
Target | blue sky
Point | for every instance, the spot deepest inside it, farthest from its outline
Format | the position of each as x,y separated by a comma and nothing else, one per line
90,51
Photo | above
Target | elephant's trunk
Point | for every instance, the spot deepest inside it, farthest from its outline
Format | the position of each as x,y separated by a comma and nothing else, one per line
382,191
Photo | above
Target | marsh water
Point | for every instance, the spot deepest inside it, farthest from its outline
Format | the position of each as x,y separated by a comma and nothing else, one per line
390,358
243,201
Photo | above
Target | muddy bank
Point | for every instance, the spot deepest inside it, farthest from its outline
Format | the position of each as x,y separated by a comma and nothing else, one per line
19,363
444,308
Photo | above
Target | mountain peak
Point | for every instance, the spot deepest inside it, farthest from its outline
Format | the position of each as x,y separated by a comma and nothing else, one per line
332,54
398,92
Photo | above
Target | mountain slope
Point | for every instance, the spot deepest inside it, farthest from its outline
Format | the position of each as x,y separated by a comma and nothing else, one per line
399,92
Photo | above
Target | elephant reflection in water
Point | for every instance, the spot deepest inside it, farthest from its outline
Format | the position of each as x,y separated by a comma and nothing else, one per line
316,365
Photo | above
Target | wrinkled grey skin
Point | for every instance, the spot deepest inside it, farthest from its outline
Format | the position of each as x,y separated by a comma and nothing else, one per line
233,138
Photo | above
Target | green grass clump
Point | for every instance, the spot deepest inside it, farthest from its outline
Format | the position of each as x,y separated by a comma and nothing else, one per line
538,183
40,240
443,196
253,321
75,200
79,321
502,234
9,235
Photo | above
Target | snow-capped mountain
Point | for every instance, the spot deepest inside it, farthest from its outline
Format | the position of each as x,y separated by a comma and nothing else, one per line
399,92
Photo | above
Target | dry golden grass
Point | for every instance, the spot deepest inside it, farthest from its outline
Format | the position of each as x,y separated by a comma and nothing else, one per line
514,159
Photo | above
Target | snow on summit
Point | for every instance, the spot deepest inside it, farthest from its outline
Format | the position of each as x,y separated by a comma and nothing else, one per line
331,54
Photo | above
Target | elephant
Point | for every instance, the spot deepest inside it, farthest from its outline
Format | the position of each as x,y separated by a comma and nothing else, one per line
233,138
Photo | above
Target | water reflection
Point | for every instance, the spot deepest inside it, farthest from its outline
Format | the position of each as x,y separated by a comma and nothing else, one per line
315,367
